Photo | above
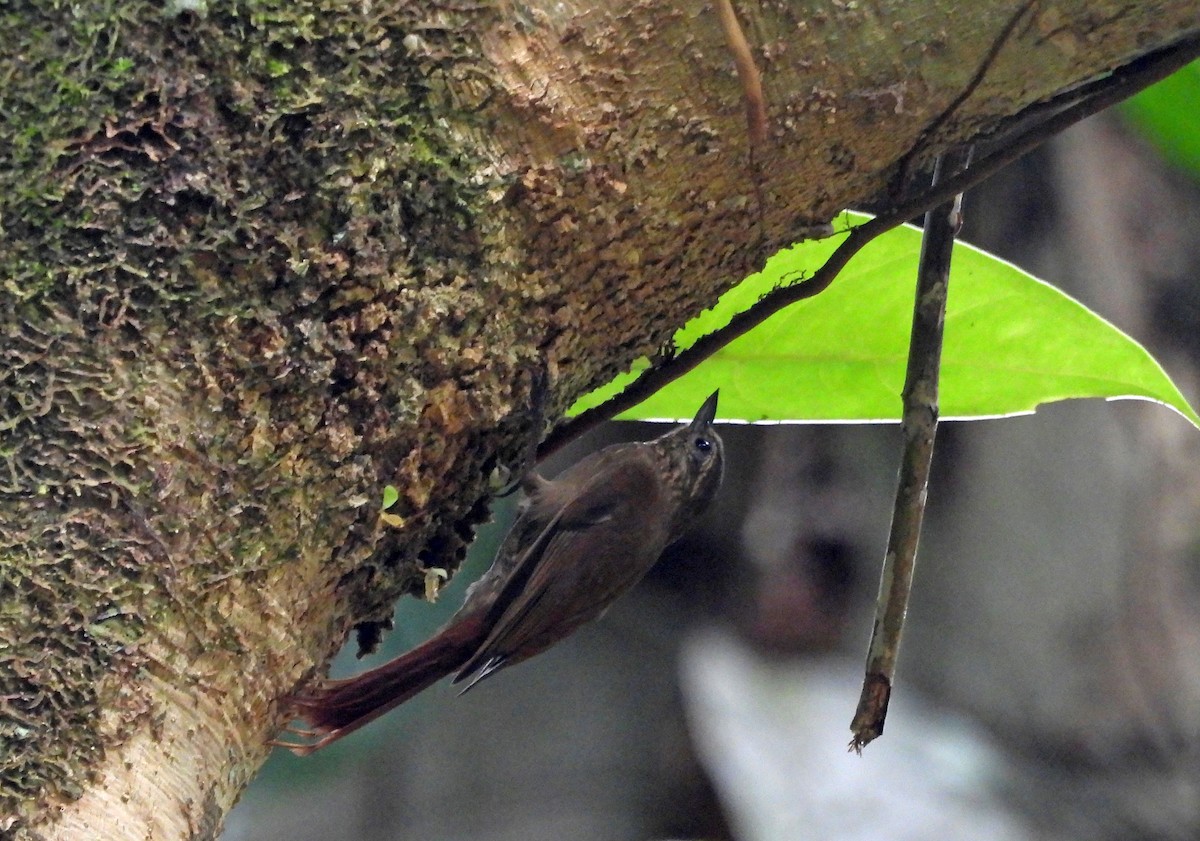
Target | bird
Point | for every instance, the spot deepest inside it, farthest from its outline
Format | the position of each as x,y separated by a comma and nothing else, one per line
580,541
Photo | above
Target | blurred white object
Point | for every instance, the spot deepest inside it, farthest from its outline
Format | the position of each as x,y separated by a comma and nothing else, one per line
773,734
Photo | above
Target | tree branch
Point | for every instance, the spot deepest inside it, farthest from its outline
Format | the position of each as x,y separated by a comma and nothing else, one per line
919,426
1064,111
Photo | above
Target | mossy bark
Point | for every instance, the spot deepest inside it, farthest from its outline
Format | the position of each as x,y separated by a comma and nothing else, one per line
262,259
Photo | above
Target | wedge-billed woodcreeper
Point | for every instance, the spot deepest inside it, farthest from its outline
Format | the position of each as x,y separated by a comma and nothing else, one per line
580,541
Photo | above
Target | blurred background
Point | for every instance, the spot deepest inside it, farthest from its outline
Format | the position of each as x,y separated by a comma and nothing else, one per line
1049,682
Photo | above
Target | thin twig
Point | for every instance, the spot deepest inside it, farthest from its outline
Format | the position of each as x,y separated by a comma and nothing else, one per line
1080,104
747,70
756,105
919,427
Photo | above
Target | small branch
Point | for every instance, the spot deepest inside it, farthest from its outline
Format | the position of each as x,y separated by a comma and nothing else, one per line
1067,109
747,70
919,426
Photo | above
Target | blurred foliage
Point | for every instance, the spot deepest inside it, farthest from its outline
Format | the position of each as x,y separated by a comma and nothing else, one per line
1168,114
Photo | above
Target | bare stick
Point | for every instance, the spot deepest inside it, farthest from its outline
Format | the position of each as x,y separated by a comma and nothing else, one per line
919,427
1064,111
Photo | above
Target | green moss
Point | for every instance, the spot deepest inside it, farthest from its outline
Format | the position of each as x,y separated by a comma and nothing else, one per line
240,256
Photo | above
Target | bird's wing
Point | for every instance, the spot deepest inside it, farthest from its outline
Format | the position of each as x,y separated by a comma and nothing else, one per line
531,603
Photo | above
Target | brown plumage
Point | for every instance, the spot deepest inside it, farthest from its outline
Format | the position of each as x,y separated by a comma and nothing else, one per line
580,541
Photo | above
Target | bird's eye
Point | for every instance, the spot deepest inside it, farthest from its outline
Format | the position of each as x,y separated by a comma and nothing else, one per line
703,445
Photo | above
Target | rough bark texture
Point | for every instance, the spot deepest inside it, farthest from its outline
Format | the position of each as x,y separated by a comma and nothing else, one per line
263,259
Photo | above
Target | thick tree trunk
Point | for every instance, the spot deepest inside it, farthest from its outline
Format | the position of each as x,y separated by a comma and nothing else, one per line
262,260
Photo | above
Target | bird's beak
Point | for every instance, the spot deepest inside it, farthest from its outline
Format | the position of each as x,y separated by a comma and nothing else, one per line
707,412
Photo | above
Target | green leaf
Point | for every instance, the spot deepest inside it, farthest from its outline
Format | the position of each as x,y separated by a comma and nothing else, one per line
390,495
1166,114
1012,343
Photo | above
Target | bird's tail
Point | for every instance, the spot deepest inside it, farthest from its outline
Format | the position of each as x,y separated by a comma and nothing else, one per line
339,707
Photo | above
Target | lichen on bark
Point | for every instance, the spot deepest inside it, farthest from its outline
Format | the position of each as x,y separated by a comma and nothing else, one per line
247,270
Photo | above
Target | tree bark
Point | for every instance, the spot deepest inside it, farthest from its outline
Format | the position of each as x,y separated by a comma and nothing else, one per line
262,260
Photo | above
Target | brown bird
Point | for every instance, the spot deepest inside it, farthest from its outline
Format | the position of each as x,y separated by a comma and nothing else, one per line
579,542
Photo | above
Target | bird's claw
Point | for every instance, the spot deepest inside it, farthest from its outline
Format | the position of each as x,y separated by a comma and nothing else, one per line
317,740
